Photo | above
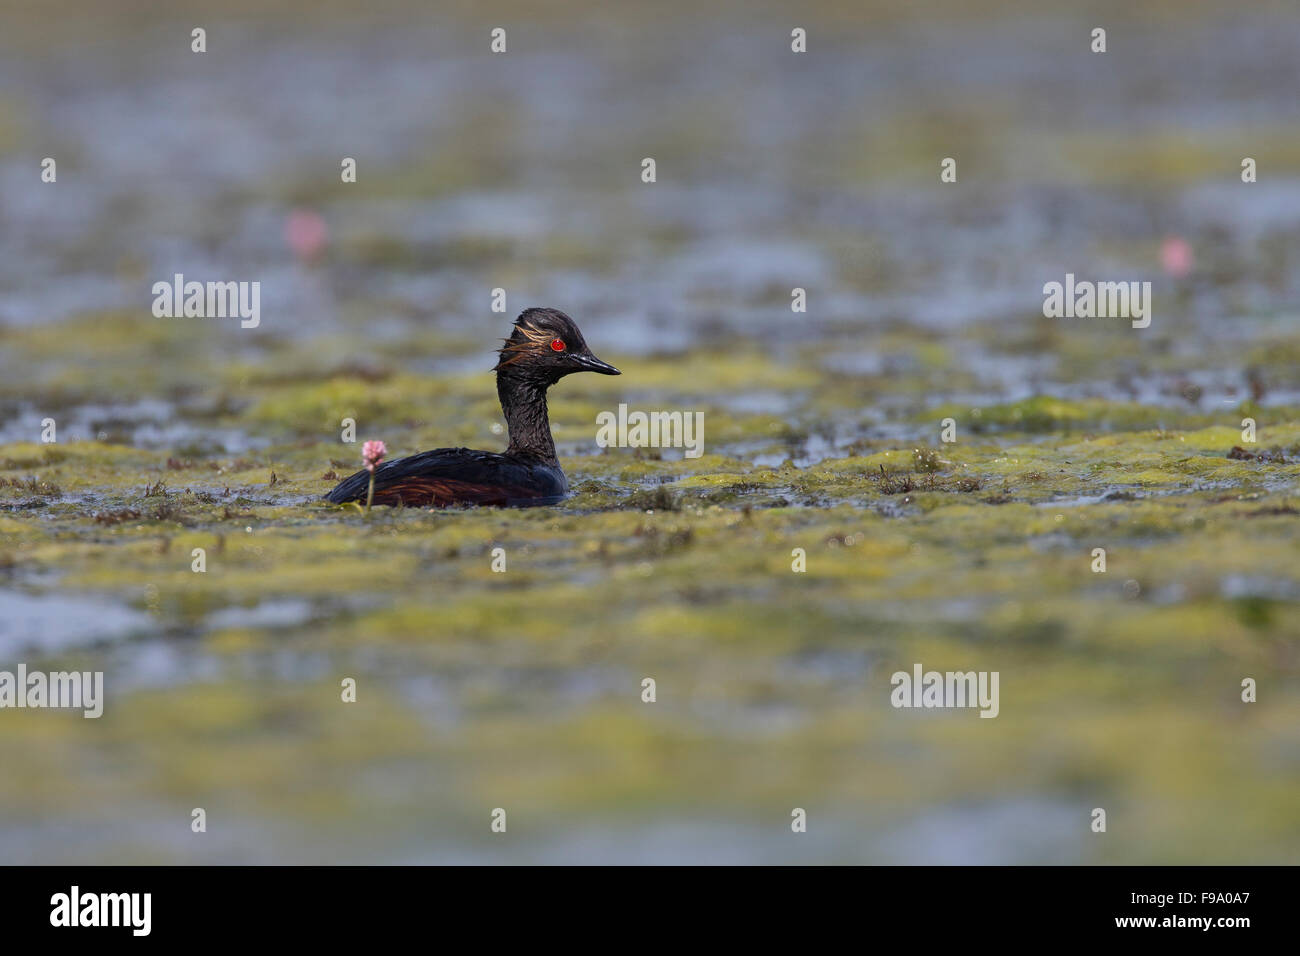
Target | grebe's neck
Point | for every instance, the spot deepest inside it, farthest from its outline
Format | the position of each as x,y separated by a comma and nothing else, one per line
523,402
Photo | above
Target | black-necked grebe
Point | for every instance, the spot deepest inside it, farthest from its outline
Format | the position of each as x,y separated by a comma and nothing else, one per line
544,346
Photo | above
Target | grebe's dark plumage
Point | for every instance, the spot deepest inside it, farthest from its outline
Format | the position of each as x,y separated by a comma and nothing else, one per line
544,346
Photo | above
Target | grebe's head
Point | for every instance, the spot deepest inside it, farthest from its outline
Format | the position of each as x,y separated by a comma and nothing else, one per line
546,345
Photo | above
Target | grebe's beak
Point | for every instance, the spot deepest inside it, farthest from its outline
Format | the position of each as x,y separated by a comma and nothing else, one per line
587,362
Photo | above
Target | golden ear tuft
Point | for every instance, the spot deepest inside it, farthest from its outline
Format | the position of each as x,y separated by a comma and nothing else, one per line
535,340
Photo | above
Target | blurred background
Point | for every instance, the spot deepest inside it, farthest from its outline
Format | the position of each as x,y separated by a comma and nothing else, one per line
775,170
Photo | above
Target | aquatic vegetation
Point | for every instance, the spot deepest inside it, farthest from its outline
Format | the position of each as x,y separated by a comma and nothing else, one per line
946,552
372,453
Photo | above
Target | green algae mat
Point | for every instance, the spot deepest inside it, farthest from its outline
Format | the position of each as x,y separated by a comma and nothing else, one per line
499,656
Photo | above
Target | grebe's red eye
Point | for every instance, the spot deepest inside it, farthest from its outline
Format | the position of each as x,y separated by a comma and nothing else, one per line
557,345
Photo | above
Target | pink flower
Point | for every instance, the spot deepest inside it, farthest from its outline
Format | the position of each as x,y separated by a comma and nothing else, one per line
1176,257
372,453
306,233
